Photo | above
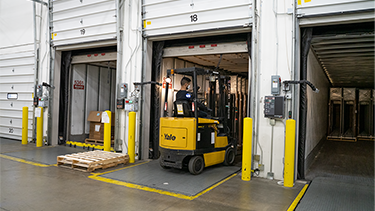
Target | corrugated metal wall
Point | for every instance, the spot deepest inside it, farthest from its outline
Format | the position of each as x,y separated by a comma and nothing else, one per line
77,21
170,17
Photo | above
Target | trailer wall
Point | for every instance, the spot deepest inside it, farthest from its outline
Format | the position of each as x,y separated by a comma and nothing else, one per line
317,107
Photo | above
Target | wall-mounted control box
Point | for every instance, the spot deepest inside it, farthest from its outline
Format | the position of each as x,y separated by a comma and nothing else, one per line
123,90
39,90
275,85
131,104
120,103
43,102
274,107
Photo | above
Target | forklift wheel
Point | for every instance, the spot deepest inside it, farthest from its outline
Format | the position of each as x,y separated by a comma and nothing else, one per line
196,165
229,156
161,165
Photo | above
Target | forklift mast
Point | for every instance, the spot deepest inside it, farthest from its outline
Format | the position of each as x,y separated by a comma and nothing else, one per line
219,103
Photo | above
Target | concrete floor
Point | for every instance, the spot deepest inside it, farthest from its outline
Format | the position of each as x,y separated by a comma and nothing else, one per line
28,187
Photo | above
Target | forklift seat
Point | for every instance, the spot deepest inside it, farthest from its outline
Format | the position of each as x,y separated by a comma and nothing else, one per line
182,108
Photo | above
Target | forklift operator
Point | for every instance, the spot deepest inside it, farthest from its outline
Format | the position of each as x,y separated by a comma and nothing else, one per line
183,94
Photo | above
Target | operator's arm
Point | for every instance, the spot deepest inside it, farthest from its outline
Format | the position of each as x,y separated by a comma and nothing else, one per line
201,106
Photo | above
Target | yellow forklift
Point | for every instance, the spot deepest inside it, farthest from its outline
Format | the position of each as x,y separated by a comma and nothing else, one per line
187,140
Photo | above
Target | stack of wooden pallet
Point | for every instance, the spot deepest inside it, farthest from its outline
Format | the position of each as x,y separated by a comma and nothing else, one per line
90,161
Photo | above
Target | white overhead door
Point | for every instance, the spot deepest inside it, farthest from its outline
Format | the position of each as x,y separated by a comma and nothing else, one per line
315,12
170,17
77,21
16,66
16,90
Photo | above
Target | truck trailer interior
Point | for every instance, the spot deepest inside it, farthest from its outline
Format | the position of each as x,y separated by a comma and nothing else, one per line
88,83
340,119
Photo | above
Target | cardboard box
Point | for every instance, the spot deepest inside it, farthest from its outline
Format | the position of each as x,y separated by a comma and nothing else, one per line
96,130
96,127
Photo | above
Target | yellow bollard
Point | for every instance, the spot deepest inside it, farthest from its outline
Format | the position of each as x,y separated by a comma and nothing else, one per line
290,147
39,127
131,137
25,124
107,133
246,148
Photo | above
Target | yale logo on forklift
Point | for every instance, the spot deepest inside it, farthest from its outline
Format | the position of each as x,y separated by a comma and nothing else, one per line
169,137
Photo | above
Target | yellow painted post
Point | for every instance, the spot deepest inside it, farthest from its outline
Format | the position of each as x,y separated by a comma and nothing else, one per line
107,133
131,137
39,127
25,124
290,147
247,148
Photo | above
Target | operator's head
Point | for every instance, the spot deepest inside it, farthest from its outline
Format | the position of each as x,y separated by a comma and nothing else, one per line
185,82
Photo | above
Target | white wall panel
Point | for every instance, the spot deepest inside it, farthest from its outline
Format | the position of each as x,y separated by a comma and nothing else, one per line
76,21
170,17
272,58
16,66
78,100
92,93
16,23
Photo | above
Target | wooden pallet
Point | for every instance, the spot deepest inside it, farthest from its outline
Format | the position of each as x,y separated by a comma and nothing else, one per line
364,138
349,139
96,141
90,161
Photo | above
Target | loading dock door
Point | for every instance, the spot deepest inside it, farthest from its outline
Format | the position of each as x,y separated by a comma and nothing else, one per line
172,17
83,21
323,12
16,91
235,59
92,88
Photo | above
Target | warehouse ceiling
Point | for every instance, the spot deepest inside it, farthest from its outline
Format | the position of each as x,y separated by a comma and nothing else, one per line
347,58
233,62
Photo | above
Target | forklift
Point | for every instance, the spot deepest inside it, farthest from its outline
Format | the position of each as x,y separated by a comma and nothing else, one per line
187,140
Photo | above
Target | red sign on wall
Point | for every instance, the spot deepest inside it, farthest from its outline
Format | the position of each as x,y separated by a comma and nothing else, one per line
79,84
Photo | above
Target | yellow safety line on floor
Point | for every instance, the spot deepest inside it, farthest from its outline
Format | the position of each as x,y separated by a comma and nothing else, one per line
154,190
298,198
25,161
80,144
